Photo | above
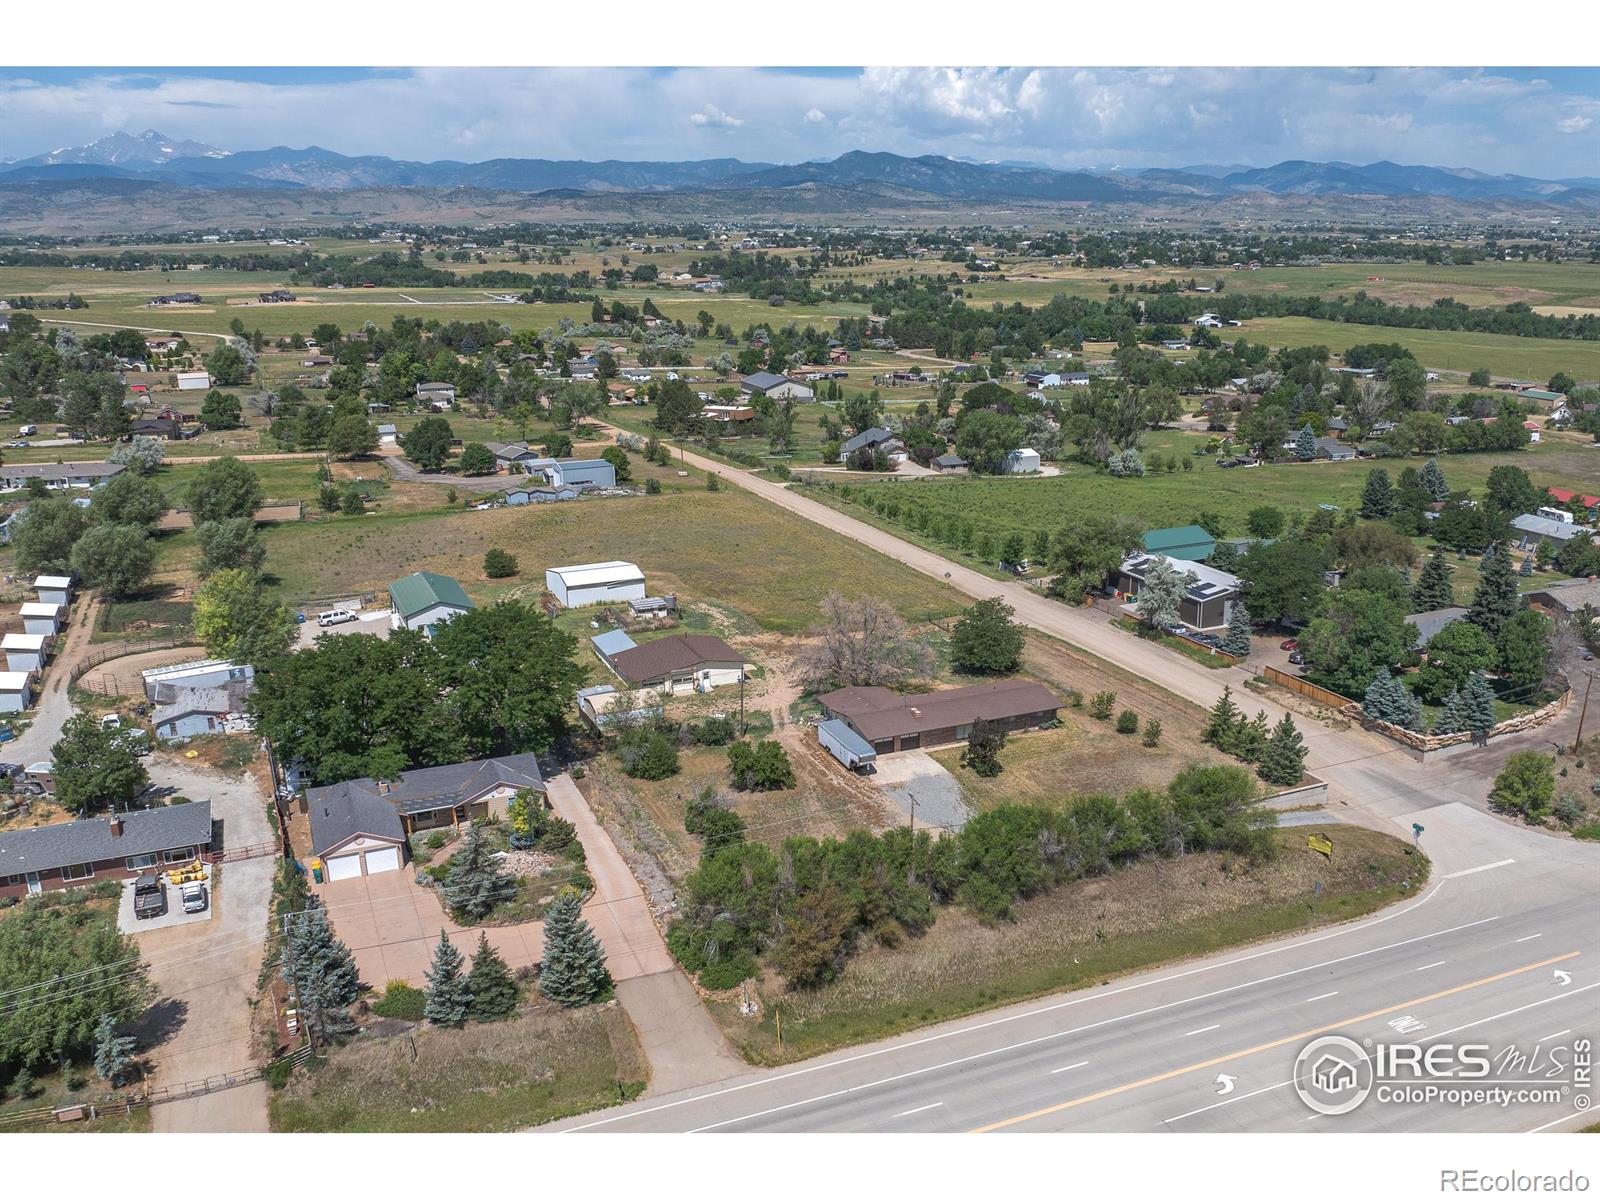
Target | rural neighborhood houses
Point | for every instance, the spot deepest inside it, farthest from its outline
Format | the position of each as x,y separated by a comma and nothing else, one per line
424,600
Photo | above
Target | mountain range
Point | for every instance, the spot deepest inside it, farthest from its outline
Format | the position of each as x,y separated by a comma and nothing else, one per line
154,158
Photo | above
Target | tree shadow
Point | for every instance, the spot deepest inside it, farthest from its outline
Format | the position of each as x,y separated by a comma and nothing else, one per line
160,1022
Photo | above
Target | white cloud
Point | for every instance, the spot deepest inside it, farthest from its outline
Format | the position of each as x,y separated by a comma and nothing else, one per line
1574,124
712,115
815,116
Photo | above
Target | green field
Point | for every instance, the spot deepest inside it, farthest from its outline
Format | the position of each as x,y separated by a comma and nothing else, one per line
1000,506
1444,350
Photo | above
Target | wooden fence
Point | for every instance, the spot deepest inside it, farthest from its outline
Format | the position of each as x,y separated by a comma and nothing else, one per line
1304,687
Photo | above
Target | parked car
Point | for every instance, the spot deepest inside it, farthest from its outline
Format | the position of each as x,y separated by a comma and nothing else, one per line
149,897
111,721
17,445
194,897
1289,644
337,616
28,430
1297,658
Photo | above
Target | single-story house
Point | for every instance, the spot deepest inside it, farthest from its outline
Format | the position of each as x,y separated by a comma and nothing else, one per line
1334,450
363,835
1207,602
1535,528
1190,543
15,477
539,495
845,744
436,393
118,846
1545,394
680,662
1175,344
1565,496
163,684
513,455
874,439
388,435
951,464
25,651
43,618
889,721
431,797
194,381
195,711
1075,378
728,414
1428,624
161,345
167,428
1565,597
1022,461
779,387
595,583
16,691
1042,379
55,589
1337,426
422,600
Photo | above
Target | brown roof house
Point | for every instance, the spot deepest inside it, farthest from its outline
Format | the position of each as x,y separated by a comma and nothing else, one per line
889,721
678,663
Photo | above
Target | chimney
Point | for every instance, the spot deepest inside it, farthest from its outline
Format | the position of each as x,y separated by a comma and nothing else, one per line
383,787
116,825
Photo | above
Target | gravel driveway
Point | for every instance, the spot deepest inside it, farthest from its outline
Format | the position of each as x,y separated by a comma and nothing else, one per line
915,777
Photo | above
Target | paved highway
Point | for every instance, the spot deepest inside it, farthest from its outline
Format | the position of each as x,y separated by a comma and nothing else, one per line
1501,947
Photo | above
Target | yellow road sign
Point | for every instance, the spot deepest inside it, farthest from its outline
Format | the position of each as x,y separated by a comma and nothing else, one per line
1320,844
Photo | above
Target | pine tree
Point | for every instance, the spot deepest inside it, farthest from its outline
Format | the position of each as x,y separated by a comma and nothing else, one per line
1433,480
494,992
1305,444
1223,722
475,884
1454,717
448,997
113,1054
574,968
1253,737
1237,640
1388,699
1377,497
1283,760
1495,600
320,970
1477,700
1433,588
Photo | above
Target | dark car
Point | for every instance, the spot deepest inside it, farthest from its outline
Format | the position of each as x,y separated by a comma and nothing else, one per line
149,897
1297,658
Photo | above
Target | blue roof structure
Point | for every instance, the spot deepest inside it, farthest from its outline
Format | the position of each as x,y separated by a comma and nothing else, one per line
612,641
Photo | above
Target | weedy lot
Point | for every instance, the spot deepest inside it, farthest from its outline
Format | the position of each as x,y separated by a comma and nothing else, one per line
543,1065
1078,936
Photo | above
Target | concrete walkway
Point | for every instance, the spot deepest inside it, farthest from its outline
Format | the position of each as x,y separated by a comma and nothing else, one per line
681,1042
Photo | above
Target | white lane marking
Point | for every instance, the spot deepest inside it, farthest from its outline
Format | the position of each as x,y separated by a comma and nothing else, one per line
1432,965
1529,938
1504,862
1231,1100
911,1112
1582,1112
1313,1117
1548,1036
1070,1067
1324,996
1061,1004
1511,1012
1207,1029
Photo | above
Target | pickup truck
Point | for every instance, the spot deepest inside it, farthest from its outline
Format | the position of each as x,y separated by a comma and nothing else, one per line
149,897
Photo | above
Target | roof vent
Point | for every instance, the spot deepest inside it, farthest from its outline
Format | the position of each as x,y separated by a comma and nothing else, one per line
916,712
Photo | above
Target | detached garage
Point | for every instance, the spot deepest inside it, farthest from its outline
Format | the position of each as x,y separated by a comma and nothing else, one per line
357,835
595,583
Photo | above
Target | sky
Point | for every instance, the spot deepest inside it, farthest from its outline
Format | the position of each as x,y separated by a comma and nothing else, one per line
1542,122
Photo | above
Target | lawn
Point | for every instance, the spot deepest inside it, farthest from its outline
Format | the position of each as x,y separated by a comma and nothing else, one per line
1079,936
725,546
542,1065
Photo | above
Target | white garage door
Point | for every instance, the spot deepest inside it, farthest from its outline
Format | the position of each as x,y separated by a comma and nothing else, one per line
346,866
379,861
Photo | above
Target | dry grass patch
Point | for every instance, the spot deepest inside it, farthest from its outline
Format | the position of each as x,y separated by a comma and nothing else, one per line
1076,936
545,1064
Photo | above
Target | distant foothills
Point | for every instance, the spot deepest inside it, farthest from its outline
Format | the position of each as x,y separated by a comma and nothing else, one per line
154,159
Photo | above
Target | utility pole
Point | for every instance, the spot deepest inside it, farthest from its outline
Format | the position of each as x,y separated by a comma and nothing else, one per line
911,870
1584,711
743,728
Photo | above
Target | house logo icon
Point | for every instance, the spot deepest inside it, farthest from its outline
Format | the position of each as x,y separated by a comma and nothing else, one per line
1333,1075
